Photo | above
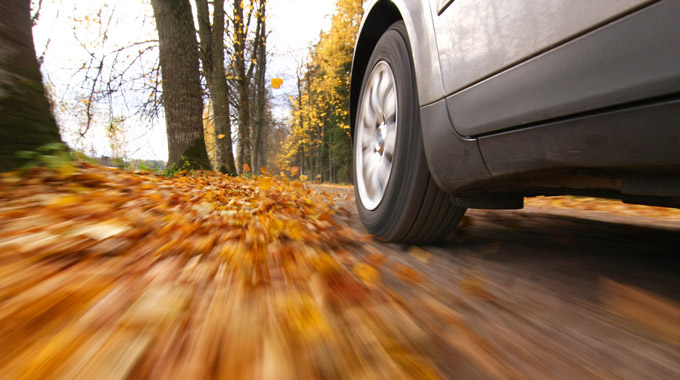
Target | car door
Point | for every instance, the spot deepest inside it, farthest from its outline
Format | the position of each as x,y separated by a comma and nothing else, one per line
480,41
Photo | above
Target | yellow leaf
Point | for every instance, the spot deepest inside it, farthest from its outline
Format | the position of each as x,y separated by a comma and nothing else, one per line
221,136
367,273
277,82
303,178
420,254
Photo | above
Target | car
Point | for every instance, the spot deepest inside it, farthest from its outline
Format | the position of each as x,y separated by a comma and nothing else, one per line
480,103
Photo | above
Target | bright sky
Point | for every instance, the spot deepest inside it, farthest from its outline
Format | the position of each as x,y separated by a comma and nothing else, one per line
294,25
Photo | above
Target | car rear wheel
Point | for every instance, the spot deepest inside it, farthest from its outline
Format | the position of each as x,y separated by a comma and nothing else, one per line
396,196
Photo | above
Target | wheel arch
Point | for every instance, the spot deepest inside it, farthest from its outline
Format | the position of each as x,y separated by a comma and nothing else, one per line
381,14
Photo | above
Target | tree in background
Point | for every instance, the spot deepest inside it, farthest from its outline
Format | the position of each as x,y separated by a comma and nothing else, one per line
182,97
212,57
257,157
26,122
319,142
246,59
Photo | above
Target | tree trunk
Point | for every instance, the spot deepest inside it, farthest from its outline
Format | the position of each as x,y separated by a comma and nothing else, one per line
243,85
182,99
212,56
26,121
260,92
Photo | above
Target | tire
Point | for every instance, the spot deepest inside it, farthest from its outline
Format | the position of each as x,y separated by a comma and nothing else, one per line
397,198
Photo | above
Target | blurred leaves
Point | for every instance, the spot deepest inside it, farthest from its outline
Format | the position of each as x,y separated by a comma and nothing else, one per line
611,206
111,274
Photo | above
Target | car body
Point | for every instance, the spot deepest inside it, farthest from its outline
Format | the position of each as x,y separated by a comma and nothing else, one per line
517,98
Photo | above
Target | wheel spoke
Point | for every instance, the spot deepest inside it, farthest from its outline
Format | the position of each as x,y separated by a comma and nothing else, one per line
375,102
390,107
389,144
375,180
386,87
369,115
367,157
383,171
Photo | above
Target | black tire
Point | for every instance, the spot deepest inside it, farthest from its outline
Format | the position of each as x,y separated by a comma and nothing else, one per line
413,208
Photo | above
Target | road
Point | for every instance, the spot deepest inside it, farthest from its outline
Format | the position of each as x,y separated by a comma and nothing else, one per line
547,294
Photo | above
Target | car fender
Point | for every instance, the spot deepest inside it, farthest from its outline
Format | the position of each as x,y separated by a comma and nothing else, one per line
416,14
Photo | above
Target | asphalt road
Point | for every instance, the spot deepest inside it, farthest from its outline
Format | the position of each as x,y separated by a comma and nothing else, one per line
546,294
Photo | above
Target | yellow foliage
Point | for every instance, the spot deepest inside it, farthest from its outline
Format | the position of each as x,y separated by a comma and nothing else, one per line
323,99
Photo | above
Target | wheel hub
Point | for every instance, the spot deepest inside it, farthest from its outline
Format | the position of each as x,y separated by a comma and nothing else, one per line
376,135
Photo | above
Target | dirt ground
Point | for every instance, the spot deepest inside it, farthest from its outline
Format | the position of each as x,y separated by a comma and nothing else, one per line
550,292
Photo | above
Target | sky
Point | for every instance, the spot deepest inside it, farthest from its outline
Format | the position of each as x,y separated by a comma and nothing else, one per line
294,27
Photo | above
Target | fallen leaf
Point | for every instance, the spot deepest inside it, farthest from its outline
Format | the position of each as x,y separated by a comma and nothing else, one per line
367,274
406,273
419,254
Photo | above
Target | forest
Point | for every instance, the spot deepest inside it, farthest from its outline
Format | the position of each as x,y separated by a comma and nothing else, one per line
200,68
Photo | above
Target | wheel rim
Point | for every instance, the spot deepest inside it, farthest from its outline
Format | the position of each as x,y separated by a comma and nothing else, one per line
376,135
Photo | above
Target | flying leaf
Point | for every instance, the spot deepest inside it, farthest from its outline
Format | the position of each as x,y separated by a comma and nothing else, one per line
246,168
221,136
303,178
276,83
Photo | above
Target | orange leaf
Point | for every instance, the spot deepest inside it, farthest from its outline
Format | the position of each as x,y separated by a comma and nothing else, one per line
246,168
263,170
221,136
406,273
294,170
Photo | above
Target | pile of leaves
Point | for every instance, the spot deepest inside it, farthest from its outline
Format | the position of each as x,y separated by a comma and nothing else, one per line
111,274
611,206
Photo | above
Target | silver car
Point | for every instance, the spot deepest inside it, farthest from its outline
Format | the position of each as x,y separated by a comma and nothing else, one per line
479,103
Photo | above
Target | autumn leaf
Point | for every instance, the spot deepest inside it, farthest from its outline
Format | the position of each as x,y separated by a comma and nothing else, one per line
367,274
303,177
246,168
420,254
277,82
221,136
263,170
294,170
406,273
